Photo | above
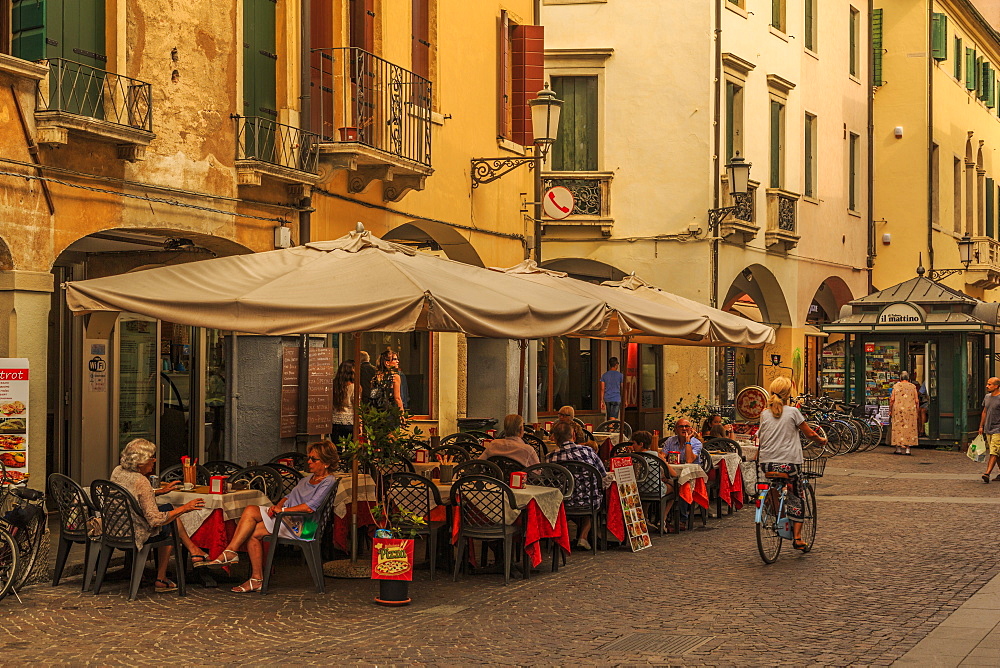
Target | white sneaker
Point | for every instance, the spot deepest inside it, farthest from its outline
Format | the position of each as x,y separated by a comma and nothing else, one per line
583,543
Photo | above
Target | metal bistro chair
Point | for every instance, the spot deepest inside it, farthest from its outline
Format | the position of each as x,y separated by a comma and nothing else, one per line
711,486
613,425
474,449
262,478
300,460
507,466
289,477
622,449
478,467
578,507
482,504
416,494
119,510
458,438
458,452
222,467
653,487
75,509
478,435
538,444
549,474
319,519
176,473
721,445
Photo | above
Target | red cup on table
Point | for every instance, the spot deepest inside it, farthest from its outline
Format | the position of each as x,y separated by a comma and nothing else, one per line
548,426
518,479
492,433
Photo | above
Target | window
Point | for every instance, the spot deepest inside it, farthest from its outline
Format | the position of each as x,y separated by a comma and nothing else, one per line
567,374
854,162
415,364
939,37
990,207
734,119
855,40
957,189
71,30
958,58
575,149
877,79
739,3
420,36
970,68
650,365
809,156
778,15
810,25
935,187
777,158
521,75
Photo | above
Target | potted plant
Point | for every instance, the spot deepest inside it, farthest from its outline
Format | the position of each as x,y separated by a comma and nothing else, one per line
348,133
383,441
695,409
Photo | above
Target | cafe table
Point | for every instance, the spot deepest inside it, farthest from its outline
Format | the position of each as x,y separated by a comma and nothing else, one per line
728,466
420,468
342,506
749,467
691,483
212,527
600,436
543,515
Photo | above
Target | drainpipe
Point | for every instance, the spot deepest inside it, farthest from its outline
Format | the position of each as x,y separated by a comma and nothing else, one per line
717,390
930,139
305,87
871,155
305,222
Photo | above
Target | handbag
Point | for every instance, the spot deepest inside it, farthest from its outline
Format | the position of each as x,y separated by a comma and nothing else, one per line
95,527
978,450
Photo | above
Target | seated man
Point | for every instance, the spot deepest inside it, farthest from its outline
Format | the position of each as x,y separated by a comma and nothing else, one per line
584,492
683,441
511,445
566,415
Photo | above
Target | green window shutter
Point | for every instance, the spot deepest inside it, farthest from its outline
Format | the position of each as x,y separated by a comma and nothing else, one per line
28,28
990,206
776,13
979,76
958,58
810,25
970,68
730,129
775,144
877,79
575,149
854,43
939,37
259,59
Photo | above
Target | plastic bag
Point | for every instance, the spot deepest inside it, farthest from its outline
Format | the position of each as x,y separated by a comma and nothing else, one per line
977,451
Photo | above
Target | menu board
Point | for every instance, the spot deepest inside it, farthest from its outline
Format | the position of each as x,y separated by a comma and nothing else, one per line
14,418
628,495
320,411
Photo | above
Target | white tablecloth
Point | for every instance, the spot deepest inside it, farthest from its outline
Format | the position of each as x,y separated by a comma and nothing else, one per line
599,437
750,451
686,473
366,492
426,466
231,505
733,463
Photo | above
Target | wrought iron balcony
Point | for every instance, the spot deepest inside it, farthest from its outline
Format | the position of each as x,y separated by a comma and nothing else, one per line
103,105
591,194
740,226
267,148
373,118
782,219
984,270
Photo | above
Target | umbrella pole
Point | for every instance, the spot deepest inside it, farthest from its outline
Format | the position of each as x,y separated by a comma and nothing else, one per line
523,345
621,405
357,438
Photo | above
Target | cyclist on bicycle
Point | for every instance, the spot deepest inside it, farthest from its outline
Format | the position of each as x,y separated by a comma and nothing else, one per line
781,450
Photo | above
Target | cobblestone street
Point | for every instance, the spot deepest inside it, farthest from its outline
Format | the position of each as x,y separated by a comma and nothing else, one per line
899,548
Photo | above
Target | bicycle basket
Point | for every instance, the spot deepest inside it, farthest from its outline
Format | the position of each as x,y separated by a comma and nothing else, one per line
814,468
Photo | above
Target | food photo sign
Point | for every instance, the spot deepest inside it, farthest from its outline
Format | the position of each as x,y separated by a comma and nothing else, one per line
628,496
14,418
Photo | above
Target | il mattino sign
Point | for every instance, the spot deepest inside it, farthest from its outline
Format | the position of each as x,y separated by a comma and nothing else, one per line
900,313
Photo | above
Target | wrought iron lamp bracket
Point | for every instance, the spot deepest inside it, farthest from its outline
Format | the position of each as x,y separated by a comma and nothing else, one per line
716,216
941,274
486,170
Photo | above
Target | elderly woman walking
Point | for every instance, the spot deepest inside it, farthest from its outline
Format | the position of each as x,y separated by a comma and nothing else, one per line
904,407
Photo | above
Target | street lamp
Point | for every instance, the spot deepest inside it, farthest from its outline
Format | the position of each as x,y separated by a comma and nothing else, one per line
965,250
966,254
545,109
738,176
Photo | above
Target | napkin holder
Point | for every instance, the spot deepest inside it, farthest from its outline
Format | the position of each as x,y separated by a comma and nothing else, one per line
548,426
589,427
420,456
492,433
290,463
673,457
518,479
217,484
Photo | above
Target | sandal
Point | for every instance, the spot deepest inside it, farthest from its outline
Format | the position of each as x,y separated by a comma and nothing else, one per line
222,559
243,588
986,478
199,559
167,585
800,545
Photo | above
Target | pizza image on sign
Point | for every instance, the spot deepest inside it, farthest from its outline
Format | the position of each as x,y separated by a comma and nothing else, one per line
750,402
392,559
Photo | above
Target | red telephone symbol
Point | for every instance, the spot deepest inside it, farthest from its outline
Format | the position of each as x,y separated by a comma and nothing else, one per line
552,198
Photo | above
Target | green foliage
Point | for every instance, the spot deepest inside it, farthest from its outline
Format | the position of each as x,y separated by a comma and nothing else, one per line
402,523
696,409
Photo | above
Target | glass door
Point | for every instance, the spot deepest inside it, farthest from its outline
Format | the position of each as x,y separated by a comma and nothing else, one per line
138,373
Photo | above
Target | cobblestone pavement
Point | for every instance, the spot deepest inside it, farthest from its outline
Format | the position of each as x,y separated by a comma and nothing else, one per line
883,574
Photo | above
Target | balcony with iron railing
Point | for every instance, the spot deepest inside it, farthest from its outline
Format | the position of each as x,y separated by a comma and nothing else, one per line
86,101
283,153
591,196
740,226
984,270
782,220
373,118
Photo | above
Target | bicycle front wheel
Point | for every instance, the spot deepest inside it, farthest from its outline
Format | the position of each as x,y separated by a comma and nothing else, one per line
768,540
8,562
809,515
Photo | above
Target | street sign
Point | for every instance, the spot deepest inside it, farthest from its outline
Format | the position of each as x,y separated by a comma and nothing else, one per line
558,202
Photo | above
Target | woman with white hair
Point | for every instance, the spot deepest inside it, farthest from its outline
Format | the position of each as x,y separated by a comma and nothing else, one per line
904,406
138,460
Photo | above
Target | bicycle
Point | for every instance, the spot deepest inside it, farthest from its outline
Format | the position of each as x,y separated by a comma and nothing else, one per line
22,530
772,525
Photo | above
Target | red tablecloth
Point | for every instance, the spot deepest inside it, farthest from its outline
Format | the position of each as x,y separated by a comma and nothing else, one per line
731,493
342,525
616,520
214,534
695,491
536,527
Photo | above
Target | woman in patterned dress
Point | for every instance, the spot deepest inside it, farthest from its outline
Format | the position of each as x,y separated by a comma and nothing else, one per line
904,406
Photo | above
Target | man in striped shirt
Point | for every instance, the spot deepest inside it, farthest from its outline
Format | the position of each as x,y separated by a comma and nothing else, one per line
585,492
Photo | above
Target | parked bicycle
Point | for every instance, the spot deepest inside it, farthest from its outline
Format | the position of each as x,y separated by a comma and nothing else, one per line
849,427
22,532
772,523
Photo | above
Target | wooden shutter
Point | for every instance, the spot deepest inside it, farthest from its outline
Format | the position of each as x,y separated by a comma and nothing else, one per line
853,29
970,68
528,77
984,80
775,144
575,149
809,139
260,59
877,79
958,58
730,120
28,25
939,36
503,76
362,18
776,11
72,29
420,47
321,65
990,207
810,28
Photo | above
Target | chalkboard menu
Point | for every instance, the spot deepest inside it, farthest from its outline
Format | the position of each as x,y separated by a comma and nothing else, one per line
321,363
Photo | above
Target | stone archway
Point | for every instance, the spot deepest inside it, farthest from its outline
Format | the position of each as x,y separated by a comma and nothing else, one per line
437,236
585,269
831,295
760,285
